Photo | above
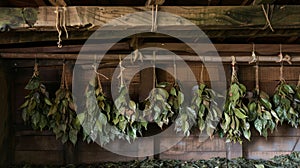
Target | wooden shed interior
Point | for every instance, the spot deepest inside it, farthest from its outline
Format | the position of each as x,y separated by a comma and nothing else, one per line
29,33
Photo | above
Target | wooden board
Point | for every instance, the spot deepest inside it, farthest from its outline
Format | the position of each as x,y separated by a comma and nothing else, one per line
222,21
5,124
39,157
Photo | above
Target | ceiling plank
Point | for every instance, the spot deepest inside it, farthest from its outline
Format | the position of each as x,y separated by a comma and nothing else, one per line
40,3
89,59
262,49
206,17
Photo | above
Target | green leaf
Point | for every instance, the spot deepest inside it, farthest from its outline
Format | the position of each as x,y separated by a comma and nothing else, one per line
227,121
173,91
162,92
239,114
180,98
259,166
132,105
73,136
47,101
258,125
247,134
288,89
25,104
276,99
266,103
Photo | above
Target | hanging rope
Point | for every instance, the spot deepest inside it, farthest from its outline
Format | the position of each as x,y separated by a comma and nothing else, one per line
134,43
62,81
154,72
120,76
266,13
36,70
298,85
255,60
256,77
234,75
201,74
175,67
281,60
60,21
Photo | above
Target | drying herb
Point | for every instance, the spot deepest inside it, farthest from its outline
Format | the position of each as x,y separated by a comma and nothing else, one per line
282,100
94,119
261,113
260,108
37,103
157,108
64,121
126,116
206,106
296,102
234,122
284,96
186,118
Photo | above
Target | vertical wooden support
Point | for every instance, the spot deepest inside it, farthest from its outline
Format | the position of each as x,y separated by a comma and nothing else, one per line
5,133
69,149
146,84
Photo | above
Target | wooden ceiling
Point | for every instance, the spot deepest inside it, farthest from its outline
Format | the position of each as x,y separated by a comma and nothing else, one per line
36,3
25,41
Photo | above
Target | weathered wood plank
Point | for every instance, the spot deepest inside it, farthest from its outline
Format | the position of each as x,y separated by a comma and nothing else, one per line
13,37
114,57
5,124
264,155
261,49
39,157
192,155
35,143
103,156
272,144
206,17
290,72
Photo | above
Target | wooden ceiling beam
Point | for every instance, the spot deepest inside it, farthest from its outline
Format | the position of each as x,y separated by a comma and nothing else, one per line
206,17
14,37
262,49
115,57
40,3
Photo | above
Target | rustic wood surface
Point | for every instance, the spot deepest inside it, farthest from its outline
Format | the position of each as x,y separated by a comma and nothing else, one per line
216,21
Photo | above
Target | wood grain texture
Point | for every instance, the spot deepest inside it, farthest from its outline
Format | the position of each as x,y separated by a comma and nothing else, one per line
235,16
103,156
5,139
39,157
35,143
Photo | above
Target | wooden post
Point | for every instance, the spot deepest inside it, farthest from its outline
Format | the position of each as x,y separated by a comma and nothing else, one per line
70,152
5,132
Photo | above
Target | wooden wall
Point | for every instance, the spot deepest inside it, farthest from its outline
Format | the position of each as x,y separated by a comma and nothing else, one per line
4,115
42,147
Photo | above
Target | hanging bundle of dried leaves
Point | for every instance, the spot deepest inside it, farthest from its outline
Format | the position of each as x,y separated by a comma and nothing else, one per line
234,122
64,121
37,103
260,109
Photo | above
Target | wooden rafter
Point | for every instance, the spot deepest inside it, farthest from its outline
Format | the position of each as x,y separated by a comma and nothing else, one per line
206,17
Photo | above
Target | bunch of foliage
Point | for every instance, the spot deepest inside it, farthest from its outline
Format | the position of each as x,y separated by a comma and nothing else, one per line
37,103
64,121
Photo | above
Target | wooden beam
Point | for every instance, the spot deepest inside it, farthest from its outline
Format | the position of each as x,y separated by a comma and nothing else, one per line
115,57
206,17
14,37
40,2
260,49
